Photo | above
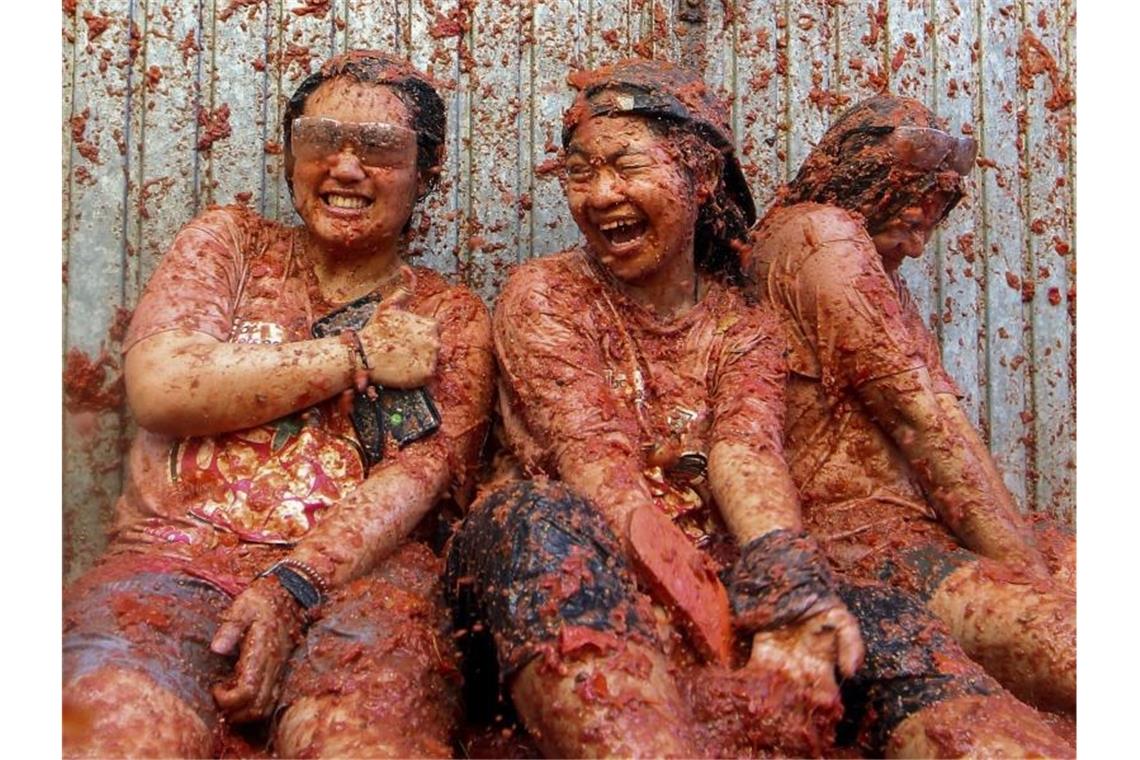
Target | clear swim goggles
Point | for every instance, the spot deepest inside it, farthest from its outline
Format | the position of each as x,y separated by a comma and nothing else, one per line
929,149
925,148
375,144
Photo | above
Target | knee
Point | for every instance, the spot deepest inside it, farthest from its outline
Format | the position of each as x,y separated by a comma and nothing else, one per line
526,528
399,723
534,559
503,520
1020,628
977,726
1058,546
616,699
988,604
119,712
912,662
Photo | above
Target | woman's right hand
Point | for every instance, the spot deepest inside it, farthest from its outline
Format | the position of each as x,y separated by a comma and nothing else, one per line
401,348
811,651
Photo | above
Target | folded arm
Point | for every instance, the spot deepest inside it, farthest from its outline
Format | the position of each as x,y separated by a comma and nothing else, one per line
183,383
185,373
371,521
400,490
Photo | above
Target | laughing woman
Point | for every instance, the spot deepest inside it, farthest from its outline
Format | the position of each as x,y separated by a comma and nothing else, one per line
261,562
634,372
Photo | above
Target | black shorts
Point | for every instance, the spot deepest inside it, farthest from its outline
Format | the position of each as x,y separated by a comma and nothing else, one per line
911,662
532,560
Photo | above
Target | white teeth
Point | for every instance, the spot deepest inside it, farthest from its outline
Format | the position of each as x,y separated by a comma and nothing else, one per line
346,201
622,223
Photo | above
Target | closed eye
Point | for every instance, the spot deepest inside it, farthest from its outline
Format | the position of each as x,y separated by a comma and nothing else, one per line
633,164
578,170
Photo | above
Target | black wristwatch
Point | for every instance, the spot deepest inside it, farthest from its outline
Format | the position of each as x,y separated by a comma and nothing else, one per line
301,581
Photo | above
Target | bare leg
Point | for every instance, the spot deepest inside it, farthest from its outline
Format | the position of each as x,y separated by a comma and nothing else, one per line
620,704
115,712
976,726
1022,631
359,725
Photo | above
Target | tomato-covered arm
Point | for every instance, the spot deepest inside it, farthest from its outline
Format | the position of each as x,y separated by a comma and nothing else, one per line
866,342
372,520
556,382
187,375
799,624
747,472
402,488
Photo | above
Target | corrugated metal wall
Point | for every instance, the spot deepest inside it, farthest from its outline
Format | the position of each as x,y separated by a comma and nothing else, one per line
169,106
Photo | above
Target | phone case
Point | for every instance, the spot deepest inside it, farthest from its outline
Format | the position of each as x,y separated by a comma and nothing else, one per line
408,415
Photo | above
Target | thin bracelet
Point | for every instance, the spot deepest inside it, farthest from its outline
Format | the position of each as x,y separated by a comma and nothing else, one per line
346,340
358,347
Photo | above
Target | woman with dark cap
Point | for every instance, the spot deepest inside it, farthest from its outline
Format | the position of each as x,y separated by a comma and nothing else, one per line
895,483
635,374
304,400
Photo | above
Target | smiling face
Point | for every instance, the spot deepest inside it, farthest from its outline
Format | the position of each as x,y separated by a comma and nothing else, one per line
630,196
906,233
344,201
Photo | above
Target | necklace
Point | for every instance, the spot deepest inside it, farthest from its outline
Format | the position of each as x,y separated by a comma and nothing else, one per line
687,467
356,290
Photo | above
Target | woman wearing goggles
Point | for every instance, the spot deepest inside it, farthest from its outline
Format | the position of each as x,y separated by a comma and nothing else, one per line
895,482
262,563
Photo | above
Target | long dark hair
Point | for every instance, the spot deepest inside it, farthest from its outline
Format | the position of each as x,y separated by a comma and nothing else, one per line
722,225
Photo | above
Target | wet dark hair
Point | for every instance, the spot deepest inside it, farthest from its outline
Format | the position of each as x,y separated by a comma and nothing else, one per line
412,87
722,225
853,167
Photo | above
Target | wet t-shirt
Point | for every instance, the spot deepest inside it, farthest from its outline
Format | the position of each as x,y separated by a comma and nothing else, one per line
239,278
587,375
847,322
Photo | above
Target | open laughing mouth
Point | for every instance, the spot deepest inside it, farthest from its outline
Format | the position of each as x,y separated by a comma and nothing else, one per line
345,202
623,234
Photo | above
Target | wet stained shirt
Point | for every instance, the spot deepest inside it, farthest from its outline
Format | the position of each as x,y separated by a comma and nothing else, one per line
239,278
587,375
847,323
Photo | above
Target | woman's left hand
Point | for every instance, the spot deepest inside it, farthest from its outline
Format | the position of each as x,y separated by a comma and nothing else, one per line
812,650
263,623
